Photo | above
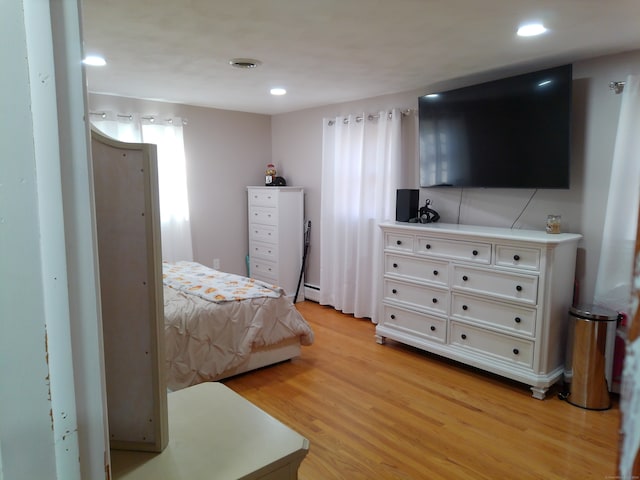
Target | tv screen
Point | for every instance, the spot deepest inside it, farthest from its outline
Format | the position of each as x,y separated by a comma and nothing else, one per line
508,133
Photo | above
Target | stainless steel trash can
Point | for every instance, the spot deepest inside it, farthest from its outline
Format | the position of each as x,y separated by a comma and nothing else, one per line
588,388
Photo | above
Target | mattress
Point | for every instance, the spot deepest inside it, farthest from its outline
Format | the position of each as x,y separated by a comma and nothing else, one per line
207,339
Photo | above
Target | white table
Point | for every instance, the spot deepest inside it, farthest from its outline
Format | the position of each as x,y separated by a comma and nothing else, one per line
214,433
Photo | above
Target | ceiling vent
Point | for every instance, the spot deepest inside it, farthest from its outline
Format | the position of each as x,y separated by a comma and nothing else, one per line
244,63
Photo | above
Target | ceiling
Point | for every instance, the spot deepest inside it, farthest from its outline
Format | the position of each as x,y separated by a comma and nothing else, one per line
333,51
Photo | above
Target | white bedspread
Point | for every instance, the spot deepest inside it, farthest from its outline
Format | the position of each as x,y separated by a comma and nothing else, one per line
203,339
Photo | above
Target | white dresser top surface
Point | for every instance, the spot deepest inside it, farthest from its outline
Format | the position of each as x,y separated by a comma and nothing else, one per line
292,187
540,236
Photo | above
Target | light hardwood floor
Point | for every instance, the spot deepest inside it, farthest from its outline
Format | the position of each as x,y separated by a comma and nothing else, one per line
389,411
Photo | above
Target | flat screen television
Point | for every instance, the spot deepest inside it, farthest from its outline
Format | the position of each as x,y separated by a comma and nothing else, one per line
508,133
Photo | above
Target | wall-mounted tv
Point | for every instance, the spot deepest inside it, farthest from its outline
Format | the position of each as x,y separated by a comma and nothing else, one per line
508,133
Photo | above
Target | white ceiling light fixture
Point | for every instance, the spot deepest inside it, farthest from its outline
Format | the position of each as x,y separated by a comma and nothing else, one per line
94,61
246,63
278,91
531,30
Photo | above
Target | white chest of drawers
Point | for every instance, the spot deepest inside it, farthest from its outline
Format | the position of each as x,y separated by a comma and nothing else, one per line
276,236
493,298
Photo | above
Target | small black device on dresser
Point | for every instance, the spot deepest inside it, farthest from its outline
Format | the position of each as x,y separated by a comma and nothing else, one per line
406,204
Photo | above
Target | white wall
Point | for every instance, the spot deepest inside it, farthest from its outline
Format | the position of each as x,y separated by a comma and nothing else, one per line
225,152
297,138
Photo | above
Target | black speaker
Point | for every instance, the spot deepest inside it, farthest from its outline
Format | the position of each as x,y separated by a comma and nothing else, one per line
406,204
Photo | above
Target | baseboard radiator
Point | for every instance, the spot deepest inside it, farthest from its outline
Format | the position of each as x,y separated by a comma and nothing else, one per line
311,292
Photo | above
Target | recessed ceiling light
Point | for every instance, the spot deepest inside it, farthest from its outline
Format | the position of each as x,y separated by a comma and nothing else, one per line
94,60
531,29
245,62
278,91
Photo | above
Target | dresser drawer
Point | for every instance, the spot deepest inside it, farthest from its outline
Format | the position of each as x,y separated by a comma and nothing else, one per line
264,270
263,198
420,325
518,257
427,298
510,318
511,286
469,251
417,268
264,250
396,241
504,347
263,233
263,215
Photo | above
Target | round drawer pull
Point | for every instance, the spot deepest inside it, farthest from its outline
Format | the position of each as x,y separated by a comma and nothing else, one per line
433,329
516,351
516,257
398,242
475,253
464,307
519,288
428,246
394,291
463,336
435,272
395,265
393,317
434,300
517,319
465,278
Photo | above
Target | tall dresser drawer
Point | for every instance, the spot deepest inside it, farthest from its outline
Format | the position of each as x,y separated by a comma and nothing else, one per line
420,269
263,215
507,317
440,247
264,270
263,197
427,298
425,326
504,347
396,241
518,257
511,286
263,233
264,250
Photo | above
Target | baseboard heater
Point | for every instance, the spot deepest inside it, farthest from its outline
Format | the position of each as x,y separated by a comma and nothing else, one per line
311,292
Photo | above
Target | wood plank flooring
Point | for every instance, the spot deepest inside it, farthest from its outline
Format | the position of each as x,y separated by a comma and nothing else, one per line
389,411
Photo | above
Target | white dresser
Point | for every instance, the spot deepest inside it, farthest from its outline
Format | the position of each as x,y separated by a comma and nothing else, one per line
276,236
493,298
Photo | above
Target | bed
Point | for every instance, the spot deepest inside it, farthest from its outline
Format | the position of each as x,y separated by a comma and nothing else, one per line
219,324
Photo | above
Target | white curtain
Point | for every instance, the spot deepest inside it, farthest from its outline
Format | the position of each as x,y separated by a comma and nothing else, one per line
360,174
613,283
172,174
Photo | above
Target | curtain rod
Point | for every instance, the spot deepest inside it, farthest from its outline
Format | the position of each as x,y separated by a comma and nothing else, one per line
373,116
129,117
617,87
